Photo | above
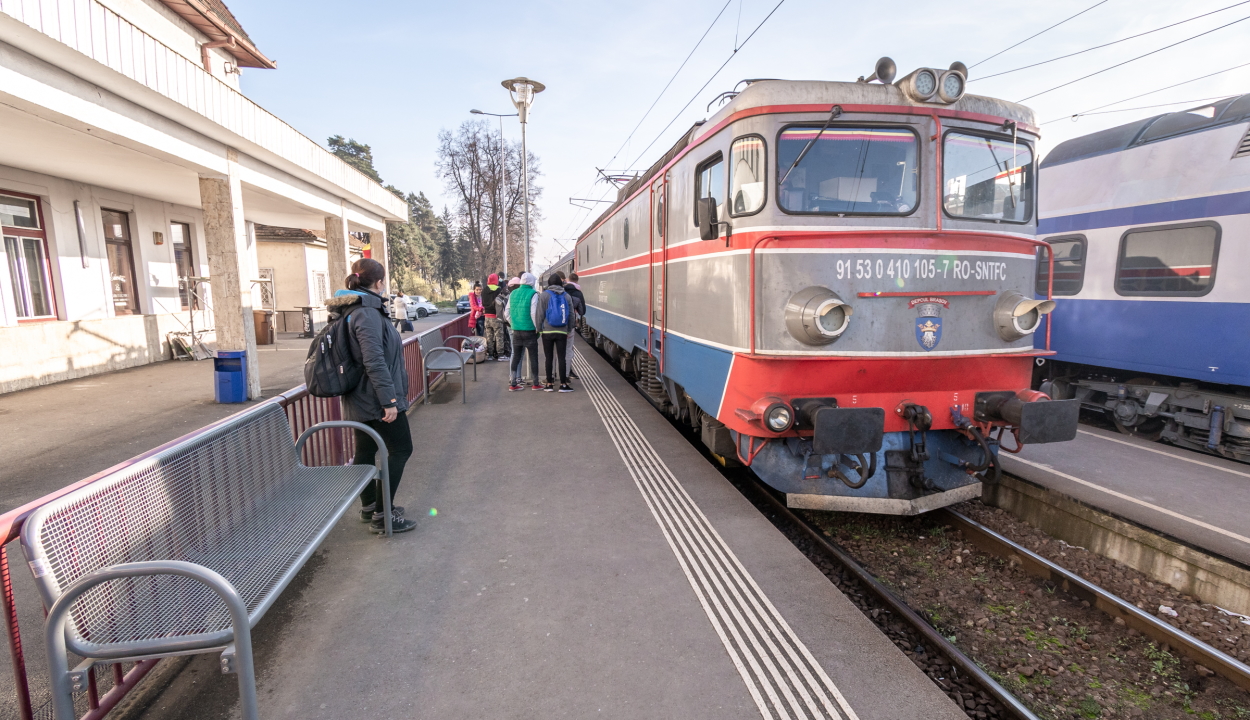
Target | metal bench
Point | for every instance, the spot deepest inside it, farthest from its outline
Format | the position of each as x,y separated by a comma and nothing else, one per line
185,551
446,359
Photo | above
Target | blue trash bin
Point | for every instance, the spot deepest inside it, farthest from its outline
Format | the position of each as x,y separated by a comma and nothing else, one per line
230,376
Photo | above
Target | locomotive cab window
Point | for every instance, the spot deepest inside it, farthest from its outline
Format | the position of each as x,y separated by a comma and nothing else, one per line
845,170
986,178
1069,265
710,183
1173,260
746,176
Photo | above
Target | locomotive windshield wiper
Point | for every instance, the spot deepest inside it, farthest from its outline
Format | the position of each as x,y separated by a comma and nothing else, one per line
834,113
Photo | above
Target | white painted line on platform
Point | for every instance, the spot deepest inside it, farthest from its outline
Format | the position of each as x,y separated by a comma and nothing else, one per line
1143,503
1164,452
767,653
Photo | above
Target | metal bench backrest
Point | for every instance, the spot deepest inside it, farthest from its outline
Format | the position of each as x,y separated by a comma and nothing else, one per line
184,503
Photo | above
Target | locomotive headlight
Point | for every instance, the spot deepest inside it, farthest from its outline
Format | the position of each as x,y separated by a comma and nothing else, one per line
952,86
817,316
1016,316
779,417
921,85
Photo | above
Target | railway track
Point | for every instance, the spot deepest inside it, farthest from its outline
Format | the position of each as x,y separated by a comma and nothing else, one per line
963,678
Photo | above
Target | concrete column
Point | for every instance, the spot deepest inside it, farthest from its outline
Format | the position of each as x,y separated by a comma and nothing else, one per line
336,247
377,243
230,266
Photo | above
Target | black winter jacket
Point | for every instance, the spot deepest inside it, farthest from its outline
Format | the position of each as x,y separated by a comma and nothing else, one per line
377,345
575,294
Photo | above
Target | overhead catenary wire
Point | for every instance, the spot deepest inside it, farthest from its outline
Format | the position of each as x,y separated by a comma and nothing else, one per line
709,82
1145,107
1113,42
645,115
1052,27
1139,57
1151,92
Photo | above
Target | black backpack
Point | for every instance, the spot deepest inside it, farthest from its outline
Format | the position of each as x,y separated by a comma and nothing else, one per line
331,369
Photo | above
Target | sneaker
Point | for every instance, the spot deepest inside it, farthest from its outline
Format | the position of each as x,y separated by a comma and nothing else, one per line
574,376
536,386
368,511
505,358
549,387
514,387
399,524
566,388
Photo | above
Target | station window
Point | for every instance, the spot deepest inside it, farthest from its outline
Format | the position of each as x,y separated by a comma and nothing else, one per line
180,238
1069,265
986,178
1172,260
847,171
121,261
710,183
26,252
746,175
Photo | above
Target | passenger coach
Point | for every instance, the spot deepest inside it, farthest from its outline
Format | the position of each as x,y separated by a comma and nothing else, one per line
832,283
1148,222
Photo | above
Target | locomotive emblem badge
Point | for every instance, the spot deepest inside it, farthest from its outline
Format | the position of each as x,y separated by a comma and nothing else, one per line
929,323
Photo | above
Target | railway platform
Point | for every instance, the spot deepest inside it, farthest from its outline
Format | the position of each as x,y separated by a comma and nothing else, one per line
574,557
1197,499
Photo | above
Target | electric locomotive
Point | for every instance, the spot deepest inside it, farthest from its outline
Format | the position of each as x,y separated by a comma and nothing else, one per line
831,282
1141,217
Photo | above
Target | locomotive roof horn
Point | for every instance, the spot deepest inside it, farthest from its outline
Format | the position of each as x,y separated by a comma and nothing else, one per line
884,71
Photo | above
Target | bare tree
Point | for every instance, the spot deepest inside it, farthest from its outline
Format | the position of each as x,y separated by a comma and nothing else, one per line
474,165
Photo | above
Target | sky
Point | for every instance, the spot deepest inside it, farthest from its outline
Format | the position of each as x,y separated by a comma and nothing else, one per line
392,74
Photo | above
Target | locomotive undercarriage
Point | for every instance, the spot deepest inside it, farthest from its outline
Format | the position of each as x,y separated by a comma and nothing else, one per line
913,472
1213,419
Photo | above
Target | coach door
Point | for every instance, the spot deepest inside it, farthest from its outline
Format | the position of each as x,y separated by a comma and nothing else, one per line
656,265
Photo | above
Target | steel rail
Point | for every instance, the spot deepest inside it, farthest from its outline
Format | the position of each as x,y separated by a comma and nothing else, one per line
1191,647
896,605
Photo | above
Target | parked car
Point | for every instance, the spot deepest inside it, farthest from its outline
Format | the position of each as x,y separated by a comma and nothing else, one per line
419,307
462,305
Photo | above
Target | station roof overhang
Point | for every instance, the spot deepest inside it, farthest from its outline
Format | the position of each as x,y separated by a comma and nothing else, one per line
215,20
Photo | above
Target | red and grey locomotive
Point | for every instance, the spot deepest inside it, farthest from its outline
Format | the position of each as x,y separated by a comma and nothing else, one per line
832,282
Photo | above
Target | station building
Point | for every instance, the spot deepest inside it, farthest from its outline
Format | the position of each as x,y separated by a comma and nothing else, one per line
132,164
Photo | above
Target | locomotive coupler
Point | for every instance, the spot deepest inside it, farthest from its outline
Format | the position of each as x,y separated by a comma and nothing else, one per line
919,421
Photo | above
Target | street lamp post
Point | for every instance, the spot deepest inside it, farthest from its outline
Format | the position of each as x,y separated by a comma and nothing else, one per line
503,172
522,91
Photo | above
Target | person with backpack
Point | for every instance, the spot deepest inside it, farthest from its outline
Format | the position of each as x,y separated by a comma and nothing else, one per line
579,308
524,333
380,398
553,318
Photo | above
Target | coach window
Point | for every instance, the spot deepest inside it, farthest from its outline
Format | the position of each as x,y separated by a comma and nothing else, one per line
26,250
1069,265
987,178
847,171
746,176
710,183
1171,260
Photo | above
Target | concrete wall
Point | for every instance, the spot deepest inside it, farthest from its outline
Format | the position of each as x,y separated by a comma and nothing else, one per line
42,353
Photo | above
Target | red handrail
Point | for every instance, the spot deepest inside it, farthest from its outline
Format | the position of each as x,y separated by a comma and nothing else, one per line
303,411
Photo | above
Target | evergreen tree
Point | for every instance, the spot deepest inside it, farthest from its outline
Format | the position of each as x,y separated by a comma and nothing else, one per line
358,155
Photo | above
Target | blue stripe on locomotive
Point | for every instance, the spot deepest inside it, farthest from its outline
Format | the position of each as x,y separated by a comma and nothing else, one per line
701,369
1185,339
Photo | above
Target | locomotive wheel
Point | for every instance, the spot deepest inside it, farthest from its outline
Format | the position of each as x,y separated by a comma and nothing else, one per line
1149,429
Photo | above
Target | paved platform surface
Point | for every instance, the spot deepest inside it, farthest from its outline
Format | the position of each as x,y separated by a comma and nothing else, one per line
585,561
59,434
1199,499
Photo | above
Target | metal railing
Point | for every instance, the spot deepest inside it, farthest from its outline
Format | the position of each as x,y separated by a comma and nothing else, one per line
333,447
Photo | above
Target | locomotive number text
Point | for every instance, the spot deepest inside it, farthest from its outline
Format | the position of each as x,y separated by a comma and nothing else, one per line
921,268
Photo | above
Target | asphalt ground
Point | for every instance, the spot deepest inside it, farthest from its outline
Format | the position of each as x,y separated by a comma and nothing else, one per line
58,434
547,585
1199,499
